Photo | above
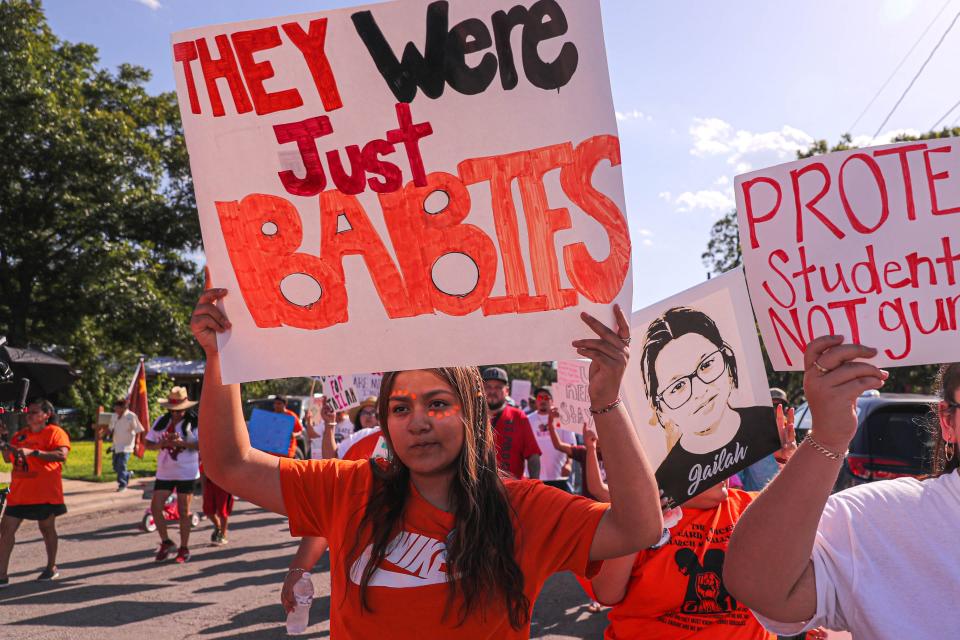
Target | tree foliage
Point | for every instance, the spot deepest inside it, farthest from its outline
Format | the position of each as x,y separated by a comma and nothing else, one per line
97,207
724,253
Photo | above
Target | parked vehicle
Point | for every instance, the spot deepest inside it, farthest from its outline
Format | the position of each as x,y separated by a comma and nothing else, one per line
891,440
297,404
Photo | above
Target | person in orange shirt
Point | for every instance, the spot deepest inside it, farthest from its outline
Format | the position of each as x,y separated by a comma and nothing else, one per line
36,486
364,444
280,406
675,590
433,542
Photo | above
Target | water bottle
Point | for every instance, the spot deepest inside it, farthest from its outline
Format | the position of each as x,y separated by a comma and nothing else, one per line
299,618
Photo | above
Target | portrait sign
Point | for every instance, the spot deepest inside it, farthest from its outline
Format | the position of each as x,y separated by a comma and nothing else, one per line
381,185
696,388
862,243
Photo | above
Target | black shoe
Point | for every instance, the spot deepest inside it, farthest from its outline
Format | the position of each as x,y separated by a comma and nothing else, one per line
49,574
4,582
215,535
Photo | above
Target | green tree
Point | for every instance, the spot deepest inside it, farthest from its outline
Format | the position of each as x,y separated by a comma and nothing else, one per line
724,253
97,208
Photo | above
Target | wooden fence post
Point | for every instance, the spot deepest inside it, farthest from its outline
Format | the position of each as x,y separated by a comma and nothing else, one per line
97,446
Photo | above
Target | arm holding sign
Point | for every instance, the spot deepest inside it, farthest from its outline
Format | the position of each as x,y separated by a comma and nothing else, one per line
780,527
558,444
633,520
595,484
225,447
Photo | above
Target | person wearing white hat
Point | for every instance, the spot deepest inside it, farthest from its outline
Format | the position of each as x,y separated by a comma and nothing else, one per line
174,435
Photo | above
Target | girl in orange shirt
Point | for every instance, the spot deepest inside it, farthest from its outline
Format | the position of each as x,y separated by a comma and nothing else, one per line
432,542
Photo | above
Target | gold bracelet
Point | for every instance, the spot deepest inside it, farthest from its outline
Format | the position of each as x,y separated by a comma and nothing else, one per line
833,455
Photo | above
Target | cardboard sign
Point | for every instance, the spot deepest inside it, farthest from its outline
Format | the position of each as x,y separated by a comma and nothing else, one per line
270,432
367,385
862,243
339,392
520,391
379,184
315,408
571,394
696,388
104,418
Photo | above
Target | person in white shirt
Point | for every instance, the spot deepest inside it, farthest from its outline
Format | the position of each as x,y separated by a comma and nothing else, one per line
873,560
174,435
555,466
125,426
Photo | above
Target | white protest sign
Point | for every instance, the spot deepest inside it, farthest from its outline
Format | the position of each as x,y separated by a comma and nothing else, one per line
520,390
862,243
339,392
367,385
377,184
571,394
696,388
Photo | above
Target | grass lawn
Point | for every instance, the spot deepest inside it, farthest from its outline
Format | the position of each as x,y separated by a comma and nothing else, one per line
79,464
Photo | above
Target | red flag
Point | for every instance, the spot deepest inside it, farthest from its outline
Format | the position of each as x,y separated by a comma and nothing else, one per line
137,403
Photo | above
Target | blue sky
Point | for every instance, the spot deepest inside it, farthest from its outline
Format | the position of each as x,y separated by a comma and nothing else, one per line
704,90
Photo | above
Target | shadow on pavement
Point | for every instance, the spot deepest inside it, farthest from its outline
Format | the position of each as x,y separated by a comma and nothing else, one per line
70,593
110,614
266,614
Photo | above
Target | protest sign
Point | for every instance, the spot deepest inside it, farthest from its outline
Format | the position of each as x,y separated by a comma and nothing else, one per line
520,391
355,174
315,408
339,392
571,394
270,431
367,385
862,243
696,388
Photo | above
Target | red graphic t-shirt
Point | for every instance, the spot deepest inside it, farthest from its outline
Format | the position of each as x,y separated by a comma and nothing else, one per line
677,591
514,439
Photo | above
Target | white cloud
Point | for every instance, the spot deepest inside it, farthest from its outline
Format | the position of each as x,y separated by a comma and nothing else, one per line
722,181
624,116
665,195
897,10
645,232
708,199
647,242
715,137
743,167
151,4
883,138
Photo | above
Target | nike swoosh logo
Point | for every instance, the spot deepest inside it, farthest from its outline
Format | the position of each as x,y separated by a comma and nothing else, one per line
421,555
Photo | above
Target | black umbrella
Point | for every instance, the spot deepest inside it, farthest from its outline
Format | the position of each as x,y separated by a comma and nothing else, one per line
47,373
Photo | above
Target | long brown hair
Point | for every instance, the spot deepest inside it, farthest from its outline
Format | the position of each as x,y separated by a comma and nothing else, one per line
480,560
948,381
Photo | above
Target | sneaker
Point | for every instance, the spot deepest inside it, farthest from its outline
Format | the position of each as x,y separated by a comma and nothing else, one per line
215,535
121,488
49,574
222,539
166,548
4,582
183,555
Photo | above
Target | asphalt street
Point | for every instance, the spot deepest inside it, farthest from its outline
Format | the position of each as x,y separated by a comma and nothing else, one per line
110,586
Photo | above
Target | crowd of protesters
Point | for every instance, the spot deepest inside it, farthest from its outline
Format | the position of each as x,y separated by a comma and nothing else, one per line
443,461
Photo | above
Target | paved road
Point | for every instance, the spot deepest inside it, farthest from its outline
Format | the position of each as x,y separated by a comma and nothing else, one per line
111,588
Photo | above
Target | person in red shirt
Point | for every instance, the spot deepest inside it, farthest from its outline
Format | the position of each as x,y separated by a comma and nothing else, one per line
516,443
433,542
280,406
36,486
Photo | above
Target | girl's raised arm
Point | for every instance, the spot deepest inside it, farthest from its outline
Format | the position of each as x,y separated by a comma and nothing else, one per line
225,447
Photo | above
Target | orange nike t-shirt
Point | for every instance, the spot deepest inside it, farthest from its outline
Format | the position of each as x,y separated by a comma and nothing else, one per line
41,481
408,593
677,592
